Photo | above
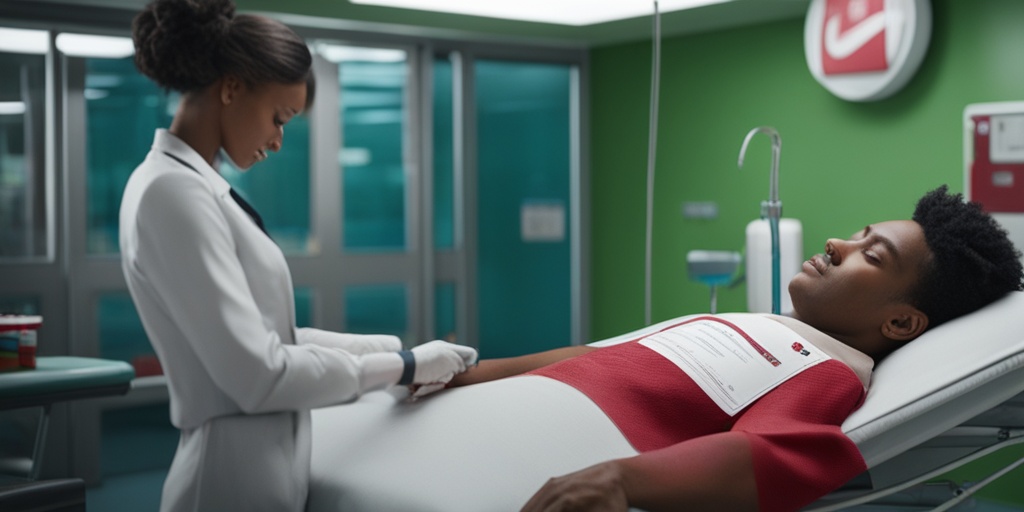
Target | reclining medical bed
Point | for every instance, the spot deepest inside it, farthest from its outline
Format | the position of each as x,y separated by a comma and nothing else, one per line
949,397
952,396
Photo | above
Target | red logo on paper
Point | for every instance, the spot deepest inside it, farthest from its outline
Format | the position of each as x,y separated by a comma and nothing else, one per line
853,39
797,347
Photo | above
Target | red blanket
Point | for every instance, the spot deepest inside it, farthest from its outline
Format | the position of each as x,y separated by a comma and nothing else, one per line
797,448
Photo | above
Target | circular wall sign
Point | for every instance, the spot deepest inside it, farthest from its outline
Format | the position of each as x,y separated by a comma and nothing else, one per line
866,50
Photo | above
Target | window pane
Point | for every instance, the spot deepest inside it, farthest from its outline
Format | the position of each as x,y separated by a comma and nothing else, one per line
278,188
123,110
376,309
444,149
23,185
444,312
373,126
303,307
121,335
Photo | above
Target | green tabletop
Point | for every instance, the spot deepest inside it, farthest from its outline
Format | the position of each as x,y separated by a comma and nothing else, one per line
64,378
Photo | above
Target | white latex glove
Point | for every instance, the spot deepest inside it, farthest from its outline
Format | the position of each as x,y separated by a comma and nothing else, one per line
439,361
426,389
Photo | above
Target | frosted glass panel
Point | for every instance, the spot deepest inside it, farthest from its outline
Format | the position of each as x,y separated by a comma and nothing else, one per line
278,188
377,309
123,110
444,182
373,118
444,312
523,173
304,307
23,208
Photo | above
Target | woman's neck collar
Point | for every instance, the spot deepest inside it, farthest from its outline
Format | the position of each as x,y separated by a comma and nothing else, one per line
197,123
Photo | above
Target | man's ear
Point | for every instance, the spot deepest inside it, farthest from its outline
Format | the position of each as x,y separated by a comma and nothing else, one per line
905,324
230,86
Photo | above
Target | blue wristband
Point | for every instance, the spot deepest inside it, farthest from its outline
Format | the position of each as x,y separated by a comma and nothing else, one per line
410,367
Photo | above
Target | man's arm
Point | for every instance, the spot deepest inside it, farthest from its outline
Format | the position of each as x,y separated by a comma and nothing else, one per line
711,473
492,369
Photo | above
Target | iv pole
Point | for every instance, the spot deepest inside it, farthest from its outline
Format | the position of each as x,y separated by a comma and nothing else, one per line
652,142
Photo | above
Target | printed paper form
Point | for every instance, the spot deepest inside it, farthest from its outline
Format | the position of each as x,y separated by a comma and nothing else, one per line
735,365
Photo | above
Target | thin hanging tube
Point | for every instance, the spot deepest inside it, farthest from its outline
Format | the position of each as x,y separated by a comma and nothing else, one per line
771,209
652,143
773,223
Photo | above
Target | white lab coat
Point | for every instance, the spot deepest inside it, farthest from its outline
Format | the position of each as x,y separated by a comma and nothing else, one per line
215,297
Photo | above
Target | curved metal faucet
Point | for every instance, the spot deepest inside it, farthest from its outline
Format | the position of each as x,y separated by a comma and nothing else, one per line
774,206
771,209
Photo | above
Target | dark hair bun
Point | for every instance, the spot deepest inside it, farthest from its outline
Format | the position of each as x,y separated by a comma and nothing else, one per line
177,41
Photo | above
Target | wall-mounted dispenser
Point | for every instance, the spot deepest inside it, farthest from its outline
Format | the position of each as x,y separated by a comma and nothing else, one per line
994,162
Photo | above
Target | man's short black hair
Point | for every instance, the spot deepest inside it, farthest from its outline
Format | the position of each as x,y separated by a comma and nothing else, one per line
973,262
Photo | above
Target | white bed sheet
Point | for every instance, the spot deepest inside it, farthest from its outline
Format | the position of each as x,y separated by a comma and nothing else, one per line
483,448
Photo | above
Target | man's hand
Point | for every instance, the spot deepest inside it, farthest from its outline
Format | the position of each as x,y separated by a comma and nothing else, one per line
598,488
494,369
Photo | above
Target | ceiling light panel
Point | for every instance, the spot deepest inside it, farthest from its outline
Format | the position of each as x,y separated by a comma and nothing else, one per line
103,47
16,40
562,12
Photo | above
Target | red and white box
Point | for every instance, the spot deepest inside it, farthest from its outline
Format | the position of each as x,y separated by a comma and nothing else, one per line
18,341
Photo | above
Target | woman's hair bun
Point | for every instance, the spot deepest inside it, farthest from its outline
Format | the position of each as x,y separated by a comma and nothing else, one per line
177,41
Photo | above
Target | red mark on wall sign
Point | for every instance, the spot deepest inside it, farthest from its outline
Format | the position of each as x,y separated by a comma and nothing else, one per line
853,39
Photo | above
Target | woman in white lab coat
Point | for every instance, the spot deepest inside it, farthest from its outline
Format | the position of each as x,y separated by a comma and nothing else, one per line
214,291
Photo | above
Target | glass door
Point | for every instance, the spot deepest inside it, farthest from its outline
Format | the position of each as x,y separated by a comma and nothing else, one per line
507,201
31,263
366,191
523,208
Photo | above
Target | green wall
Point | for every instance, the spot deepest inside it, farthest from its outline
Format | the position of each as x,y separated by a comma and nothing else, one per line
843,164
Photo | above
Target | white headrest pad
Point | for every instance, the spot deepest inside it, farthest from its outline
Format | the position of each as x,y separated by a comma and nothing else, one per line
945,364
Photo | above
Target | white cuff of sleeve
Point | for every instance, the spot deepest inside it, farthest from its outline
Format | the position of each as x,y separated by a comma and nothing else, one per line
352,343
368,343
380,370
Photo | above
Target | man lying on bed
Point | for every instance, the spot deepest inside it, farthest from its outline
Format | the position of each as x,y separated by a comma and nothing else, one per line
874,292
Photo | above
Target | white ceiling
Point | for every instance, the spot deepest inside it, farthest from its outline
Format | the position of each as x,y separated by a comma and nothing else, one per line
735,13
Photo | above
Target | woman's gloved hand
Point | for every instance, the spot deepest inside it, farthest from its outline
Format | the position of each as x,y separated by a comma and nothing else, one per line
438,361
